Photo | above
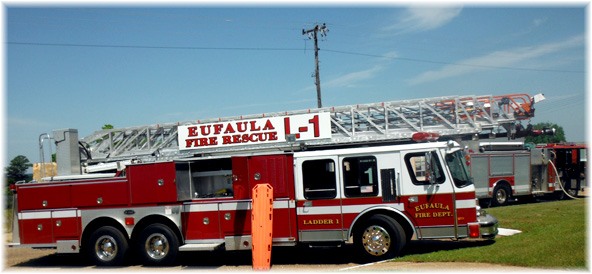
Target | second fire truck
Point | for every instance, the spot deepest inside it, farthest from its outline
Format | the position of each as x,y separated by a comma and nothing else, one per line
369,175
503,171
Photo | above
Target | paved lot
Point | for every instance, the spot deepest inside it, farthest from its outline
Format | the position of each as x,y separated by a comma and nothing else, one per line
284,259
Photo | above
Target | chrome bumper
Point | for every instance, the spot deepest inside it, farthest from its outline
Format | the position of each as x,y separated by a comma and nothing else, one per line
488,226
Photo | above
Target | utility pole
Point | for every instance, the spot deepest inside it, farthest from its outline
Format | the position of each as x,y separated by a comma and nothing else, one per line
312,33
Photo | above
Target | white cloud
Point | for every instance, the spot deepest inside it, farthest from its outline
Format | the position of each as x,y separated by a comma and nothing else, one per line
562,97
498,59
539,21
419,19
352,78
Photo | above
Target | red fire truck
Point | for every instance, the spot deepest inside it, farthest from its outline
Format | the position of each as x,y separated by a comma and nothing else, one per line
503,171
339,175
569,161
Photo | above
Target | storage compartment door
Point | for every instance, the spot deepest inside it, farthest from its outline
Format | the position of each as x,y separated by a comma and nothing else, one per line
152,183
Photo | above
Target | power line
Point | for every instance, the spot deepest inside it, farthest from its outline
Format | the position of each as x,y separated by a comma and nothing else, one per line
450,63
287,49
149,47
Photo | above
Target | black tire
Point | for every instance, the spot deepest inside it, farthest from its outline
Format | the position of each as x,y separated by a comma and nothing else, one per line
568,185
107,246
501,195
560,195
485,202
157,245
573,192
379,238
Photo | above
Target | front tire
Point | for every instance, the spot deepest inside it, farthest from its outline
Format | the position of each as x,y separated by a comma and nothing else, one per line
380,238
501,195
107,246
157,245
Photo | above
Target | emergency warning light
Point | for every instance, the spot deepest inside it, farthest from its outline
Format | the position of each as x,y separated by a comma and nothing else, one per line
421,137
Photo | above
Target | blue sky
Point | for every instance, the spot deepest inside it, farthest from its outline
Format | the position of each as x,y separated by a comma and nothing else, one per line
83,66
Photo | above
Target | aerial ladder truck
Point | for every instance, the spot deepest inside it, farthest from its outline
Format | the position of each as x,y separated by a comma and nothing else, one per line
373,175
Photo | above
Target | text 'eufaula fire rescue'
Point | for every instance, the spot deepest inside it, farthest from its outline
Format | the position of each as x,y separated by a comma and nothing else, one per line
255,131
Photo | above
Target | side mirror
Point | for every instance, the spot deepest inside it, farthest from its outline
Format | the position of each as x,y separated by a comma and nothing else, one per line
429,169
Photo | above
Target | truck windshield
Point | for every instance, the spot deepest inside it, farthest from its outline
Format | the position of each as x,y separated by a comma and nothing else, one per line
458,168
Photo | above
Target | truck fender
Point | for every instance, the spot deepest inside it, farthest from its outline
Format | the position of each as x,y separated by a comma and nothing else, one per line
157,219
396,214
502,182
170,215
95,224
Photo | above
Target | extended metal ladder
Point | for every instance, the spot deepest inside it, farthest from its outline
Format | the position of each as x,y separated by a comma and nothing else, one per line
450,117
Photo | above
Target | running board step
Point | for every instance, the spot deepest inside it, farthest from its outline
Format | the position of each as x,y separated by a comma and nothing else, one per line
201,247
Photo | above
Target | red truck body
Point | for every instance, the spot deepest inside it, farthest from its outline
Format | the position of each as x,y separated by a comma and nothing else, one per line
378,198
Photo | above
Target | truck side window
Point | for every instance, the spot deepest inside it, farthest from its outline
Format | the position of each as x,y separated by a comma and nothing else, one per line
318,178
360,176
416,165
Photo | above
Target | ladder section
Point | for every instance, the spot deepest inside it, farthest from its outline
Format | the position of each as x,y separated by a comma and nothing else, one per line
448,116
377,122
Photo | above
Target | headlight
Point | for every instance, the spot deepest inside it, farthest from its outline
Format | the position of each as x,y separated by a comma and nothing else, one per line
480,212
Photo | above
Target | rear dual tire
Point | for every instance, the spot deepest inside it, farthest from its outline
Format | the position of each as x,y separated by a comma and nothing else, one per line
157,245
107,247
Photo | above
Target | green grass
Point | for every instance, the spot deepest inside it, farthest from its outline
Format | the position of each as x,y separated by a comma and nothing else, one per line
553,237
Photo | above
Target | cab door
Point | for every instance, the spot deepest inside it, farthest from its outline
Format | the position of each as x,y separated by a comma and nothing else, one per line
318,202
428,194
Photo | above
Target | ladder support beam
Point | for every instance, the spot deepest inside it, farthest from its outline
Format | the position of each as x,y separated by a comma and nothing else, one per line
375,122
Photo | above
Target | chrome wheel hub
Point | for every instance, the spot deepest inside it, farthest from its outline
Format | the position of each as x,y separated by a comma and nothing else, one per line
106,248
376,240
501,196
156,246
